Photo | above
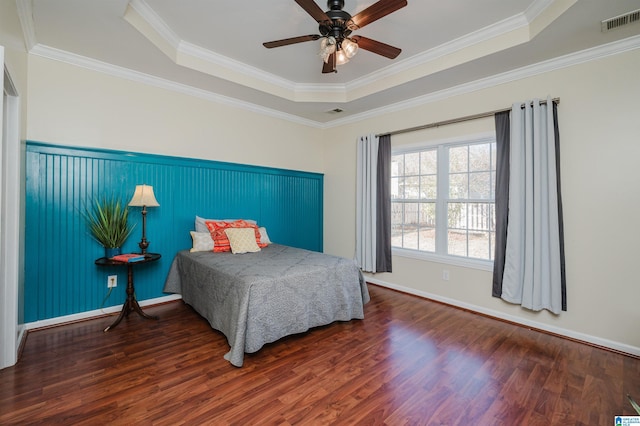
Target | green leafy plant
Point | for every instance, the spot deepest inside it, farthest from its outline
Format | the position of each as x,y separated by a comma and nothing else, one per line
107,221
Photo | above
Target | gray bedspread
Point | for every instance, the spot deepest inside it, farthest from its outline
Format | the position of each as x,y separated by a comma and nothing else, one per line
258,298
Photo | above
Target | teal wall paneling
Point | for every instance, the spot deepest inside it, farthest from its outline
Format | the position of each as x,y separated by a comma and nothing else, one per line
60,275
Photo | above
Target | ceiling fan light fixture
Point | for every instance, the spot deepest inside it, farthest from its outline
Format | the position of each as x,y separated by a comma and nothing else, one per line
341,57
327,47
336,25
349,47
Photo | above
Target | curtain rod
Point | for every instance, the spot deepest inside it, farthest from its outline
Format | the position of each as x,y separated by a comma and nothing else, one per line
456,120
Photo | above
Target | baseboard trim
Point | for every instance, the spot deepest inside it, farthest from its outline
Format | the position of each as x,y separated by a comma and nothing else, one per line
82,316
610,345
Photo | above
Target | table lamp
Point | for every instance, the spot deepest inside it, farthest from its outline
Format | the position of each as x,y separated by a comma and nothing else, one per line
143,197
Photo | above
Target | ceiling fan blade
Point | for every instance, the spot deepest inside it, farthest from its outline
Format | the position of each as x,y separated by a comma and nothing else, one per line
312,8
330,65
374,12
292,40
377,47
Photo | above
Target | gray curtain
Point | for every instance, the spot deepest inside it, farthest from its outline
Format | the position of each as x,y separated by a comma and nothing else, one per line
383,223
373,205
366,191
529,264
502,197
556,134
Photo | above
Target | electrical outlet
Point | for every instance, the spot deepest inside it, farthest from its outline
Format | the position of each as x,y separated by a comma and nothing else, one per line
445,274
112,281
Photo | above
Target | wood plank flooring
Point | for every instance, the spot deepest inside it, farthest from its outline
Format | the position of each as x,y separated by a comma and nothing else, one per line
409,362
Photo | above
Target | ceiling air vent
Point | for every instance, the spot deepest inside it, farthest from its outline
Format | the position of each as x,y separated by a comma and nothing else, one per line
619,21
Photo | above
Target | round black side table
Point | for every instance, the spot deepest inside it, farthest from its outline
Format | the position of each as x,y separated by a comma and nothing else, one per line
131,304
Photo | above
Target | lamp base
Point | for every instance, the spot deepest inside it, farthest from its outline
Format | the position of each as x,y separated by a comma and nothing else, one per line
144,244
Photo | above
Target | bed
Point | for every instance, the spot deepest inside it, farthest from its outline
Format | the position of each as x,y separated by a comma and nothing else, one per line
257,298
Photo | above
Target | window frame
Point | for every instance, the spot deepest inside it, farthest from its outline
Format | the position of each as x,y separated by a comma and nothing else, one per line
442,146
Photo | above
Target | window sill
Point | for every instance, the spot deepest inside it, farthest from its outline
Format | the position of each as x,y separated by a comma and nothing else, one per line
484,265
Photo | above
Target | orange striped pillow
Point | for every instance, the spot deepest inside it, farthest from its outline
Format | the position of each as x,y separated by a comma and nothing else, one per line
220,239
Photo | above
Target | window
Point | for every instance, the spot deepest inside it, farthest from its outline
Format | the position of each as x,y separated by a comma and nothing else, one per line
443,199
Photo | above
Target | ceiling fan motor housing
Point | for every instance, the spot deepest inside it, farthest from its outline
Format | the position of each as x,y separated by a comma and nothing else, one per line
339,19
335,4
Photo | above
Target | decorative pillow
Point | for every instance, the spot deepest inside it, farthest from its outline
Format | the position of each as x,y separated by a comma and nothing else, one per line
202,241
264,237
200,224
242,240
220,239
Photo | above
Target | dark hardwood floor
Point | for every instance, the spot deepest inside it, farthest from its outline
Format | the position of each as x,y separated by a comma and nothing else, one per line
410,362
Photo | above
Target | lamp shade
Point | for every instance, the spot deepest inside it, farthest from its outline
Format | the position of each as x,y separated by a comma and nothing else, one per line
341,57
143,196
350,47
327,47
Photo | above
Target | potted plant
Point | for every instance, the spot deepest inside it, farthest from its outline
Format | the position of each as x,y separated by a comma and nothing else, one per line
107,222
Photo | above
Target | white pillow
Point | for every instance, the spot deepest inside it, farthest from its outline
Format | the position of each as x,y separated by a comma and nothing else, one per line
202,241
200,225
242,240
264,237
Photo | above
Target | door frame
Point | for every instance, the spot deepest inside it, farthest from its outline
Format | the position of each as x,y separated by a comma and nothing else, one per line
11,333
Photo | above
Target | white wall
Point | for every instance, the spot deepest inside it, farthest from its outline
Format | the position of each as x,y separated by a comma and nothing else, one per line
599,118
74,106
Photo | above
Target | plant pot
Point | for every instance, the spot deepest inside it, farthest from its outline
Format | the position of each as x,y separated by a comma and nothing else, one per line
109,252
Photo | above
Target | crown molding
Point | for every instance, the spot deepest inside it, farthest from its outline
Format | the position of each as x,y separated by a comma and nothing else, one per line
190,49
156,22
610,49
572,59
183,48
536,9
517,27
139,77
468,40
25,14
154,28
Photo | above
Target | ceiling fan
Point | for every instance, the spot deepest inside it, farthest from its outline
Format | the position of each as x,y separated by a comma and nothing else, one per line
337,45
